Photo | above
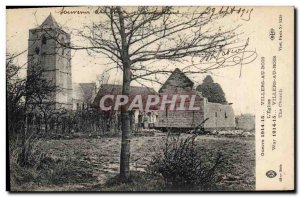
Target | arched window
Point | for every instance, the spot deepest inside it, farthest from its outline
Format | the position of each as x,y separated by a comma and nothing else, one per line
44,40
43,47
62,41
37,50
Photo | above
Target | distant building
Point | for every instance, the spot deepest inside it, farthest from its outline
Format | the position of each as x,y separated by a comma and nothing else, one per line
112,89
83,95
139,118
245,122
46,50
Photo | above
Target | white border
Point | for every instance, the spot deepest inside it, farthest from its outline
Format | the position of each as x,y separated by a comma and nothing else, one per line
4,3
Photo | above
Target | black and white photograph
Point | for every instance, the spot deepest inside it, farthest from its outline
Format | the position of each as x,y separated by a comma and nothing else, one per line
149,98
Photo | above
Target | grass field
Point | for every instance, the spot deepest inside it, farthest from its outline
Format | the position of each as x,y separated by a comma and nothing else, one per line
88,164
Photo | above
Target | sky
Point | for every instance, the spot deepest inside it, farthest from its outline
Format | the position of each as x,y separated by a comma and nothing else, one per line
239,90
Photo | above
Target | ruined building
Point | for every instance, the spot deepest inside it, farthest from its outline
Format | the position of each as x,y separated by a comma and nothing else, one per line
211,116
47,50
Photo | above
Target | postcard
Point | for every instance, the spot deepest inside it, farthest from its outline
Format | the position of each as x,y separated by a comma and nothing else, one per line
150,99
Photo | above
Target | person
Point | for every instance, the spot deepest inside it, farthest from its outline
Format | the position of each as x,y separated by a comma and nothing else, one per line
140,120
146,120
151,123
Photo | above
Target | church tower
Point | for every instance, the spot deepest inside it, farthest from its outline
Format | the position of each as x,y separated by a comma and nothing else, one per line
47,48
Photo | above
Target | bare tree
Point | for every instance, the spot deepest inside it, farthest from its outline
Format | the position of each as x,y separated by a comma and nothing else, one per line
135,39
15,91
25,95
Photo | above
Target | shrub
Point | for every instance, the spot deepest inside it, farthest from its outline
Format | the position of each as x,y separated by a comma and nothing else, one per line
25,158
184,167
29,165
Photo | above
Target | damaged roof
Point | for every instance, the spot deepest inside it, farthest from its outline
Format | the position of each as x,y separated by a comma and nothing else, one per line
111,89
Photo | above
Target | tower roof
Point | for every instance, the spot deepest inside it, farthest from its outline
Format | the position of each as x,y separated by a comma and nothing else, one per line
49,22
177,79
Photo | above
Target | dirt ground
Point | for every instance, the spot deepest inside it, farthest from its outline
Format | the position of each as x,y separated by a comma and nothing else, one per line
91,162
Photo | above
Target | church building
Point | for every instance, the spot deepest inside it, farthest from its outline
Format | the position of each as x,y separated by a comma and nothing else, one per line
47,50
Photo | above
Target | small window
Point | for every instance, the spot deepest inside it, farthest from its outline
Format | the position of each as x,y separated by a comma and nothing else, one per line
62,40
216,114
37,50
44,40
225,115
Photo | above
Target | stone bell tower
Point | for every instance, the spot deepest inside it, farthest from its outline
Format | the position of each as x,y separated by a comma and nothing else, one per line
47,48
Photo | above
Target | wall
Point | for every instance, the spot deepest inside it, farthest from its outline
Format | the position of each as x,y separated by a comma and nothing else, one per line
219,116
179,119
55,61
63,74
182,118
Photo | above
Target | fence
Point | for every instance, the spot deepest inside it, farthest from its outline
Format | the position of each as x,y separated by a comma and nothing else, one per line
83,121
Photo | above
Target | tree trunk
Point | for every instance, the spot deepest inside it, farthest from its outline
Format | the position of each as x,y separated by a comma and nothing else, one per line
125,126
125,116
